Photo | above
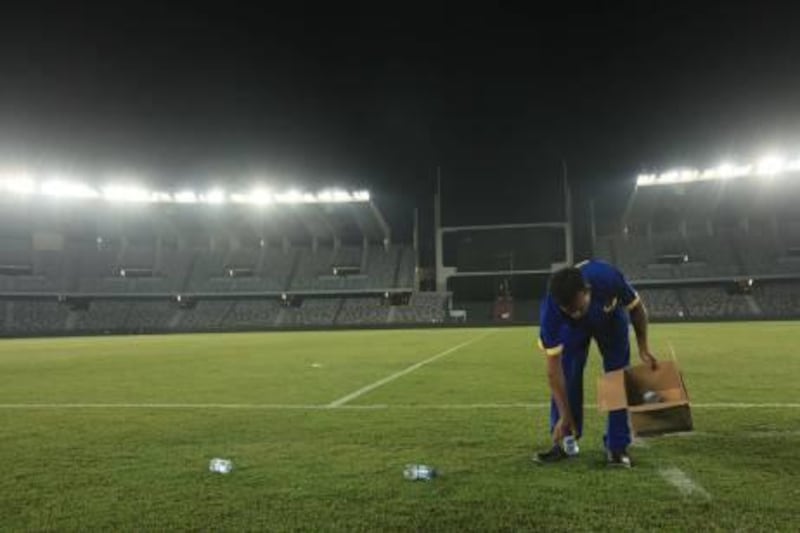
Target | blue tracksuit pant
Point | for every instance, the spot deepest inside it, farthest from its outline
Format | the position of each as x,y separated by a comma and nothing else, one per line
615,348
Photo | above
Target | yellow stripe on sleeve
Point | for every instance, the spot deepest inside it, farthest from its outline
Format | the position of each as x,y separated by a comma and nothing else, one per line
636,301
551,352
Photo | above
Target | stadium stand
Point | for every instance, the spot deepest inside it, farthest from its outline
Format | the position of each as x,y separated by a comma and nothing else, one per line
710,250
33,317
714,302
311,312
778,300
663,303
335,265
367,311
253,313
103,316
206,315
146,316
423,308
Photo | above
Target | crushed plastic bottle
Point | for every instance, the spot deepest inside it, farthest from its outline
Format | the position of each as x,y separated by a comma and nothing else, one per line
651,397
419,472
570,445
220,466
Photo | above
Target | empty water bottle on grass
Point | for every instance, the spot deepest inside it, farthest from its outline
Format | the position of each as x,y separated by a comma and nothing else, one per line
220,466
419,472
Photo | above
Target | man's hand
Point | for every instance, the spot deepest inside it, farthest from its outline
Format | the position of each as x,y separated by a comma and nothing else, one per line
648,358
563,428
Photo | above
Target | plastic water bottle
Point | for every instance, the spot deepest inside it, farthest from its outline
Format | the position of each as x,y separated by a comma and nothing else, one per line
651,397
419,472
220,466
570,445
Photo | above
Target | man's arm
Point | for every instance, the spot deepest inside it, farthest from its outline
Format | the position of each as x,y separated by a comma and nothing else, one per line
558,388
638,315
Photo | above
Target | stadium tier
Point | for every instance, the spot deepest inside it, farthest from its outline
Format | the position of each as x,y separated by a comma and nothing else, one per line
697,251
91,271
49,317
71,267
706,230
97,247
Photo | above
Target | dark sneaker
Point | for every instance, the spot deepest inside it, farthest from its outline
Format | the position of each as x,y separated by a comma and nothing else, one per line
553,455
619,459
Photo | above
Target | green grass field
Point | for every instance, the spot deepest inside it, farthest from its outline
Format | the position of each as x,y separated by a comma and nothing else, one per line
116,434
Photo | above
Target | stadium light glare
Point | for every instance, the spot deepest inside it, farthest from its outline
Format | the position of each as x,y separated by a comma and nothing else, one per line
185,197
766,167
19,184
793,165
325,196
290,197
340,196
160,197
59,188
257,196
669,177
646,179
333,196
261,197
770,165
127,193
214,196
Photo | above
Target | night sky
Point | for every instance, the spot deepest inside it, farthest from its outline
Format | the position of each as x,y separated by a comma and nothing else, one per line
378,96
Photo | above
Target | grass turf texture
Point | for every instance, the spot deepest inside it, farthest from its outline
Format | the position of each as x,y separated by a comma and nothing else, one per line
139,468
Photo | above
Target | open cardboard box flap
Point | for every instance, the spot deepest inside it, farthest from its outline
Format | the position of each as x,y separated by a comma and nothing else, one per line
624,389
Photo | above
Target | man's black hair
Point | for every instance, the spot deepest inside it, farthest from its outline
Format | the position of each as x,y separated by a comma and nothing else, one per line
566,284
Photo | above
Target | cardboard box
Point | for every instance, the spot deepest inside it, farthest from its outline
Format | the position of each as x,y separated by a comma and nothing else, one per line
624,389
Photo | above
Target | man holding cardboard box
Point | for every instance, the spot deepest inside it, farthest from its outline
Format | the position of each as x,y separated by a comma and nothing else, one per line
590,300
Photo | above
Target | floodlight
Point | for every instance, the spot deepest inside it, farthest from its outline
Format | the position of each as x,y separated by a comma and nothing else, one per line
126,193
325,196
291,197
770,165
668,177
185,197
19,184
214,196
646,179
793,165
341,196
261,196
160,196
67,189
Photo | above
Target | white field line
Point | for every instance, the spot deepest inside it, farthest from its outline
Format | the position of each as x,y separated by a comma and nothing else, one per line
160,406
381,382
270,406
769,434
678,479
740,405
672,351
279,406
